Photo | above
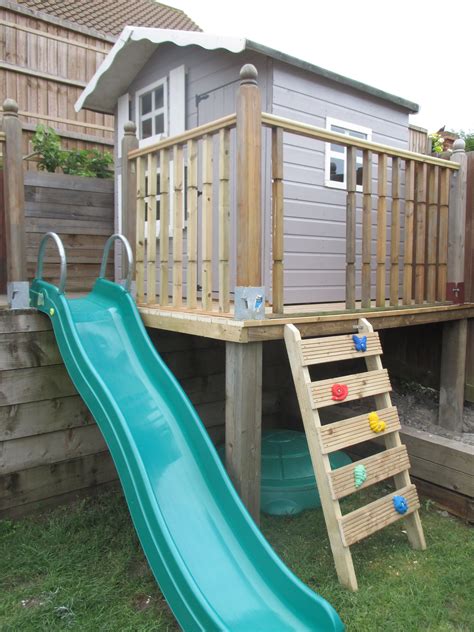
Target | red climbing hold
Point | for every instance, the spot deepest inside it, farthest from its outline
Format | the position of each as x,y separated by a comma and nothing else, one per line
339,392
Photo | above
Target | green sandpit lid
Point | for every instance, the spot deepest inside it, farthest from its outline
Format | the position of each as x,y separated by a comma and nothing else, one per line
288,483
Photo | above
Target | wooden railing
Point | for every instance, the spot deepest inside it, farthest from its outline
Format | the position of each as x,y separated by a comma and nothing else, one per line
405,251
185,202
425,181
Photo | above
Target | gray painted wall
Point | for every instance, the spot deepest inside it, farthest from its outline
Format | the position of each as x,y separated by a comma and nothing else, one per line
314,213
315,226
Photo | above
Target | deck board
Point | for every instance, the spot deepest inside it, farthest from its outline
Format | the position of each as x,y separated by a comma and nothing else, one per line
312,320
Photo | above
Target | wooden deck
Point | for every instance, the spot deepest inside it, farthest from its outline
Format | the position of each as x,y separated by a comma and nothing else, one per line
312,320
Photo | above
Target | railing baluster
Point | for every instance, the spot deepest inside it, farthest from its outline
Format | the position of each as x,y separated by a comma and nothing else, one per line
224,220
433,183
192,231
381,229
395,233
151,231
351,227
178,226
164,225
366,227
207,146
420,244
277,221
140,251
409,232
444,178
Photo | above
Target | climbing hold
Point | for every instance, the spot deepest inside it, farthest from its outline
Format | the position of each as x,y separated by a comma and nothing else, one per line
51,311
339,392
360,475
360,342
401,504
376,424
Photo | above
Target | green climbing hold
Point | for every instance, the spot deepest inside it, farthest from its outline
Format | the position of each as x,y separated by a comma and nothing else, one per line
360,474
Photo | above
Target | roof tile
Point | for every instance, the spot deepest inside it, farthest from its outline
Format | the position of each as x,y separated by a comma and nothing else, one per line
111,16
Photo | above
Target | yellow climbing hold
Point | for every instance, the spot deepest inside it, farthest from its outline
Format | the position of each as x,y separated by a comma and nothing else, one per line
51,311
376,424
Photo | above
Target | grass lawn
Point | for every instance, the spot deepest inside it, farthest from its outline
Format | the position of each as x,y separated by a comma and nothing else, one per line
81,567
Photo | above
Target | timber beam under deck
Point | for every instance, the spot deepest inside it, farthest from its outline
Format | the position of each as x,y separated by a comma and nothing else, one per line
318,323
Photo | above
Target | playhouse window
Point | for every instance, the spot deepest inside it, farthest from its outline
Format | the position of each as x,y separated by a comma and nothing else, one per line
151,111
336,155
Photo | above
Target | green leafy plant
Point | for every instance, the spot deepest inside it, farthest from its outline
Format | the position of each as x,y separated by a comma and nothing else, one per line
437,143
79,162
47,144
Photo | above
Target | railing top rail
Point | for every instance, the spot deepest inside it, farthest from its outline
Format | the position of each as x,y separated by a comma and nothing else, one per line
319,133
226,122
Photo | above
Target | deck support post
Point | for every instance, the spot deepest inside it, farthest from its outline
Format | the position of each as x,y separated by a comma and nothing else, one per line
243,421
454,344
469,276
453,367
129,185
17,283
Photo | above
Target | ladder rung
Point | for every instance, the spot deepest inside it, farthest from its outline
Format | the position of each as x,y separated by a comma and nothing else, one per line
378,468
360,385
342,434
336,348
367,520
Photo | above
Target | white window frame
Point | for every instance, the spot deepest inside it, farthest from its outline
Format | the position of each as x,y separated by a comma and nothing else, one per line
342,156
145,142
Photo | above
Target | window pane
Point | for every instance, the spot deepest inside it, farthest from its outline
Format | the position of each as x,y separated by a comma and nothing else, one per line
146,128
337,169
359,170
337,148
159,124
145,102
159,97
357,134
339,130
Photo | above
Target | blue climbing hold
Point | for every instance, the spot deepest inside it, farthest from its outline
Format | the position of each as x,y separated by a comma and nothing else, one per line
401,504
360,342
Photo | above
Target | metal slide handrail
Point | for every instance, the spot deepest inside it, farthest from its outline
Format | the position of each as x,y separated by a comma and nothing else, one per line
105,256
62,256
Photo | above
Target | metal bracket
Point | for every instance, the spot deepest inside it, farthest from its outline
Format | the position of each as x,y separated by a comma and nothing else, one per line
455,292
18,293
249,303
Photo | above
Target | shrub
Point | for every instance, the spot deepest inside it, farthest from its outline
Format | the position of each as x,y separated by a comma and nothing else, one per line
78,162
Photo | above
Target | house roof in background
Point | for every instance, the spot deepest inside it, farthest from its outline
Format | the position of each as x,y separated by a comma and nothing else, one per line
111,16
136,45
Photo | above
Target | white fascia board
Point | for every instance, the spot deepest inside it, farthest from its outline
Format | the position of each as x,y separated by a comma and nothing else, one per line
130,53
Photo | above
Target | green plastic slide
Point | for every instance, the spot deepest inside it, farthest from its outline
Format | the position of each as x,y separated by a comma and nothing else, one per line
212,563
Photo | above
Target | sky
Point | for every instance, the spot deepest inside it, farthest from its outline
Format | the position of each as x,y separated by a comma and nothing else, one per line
419,50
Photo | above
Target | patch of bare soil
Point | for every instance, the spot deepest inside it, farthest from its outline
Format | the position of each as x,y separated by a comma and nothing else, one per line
418,408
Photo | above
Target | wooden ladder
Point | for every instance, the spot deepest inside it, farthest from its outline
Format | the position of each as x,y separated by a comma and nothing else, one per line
345,530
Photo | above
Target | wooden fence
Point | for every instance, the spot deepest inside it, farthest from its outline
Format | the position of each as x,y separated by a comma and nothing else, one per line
44,65
408,195
81,211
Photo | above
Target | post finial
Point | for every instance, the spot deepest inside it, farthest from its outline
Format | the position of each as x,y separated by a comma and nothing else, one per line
248,74
130,128
459,145
10,107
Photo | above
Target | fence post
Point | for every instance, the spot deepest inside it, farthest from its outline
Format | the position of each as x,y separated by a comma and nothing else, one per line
249,293
454,343
129,185
17,284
